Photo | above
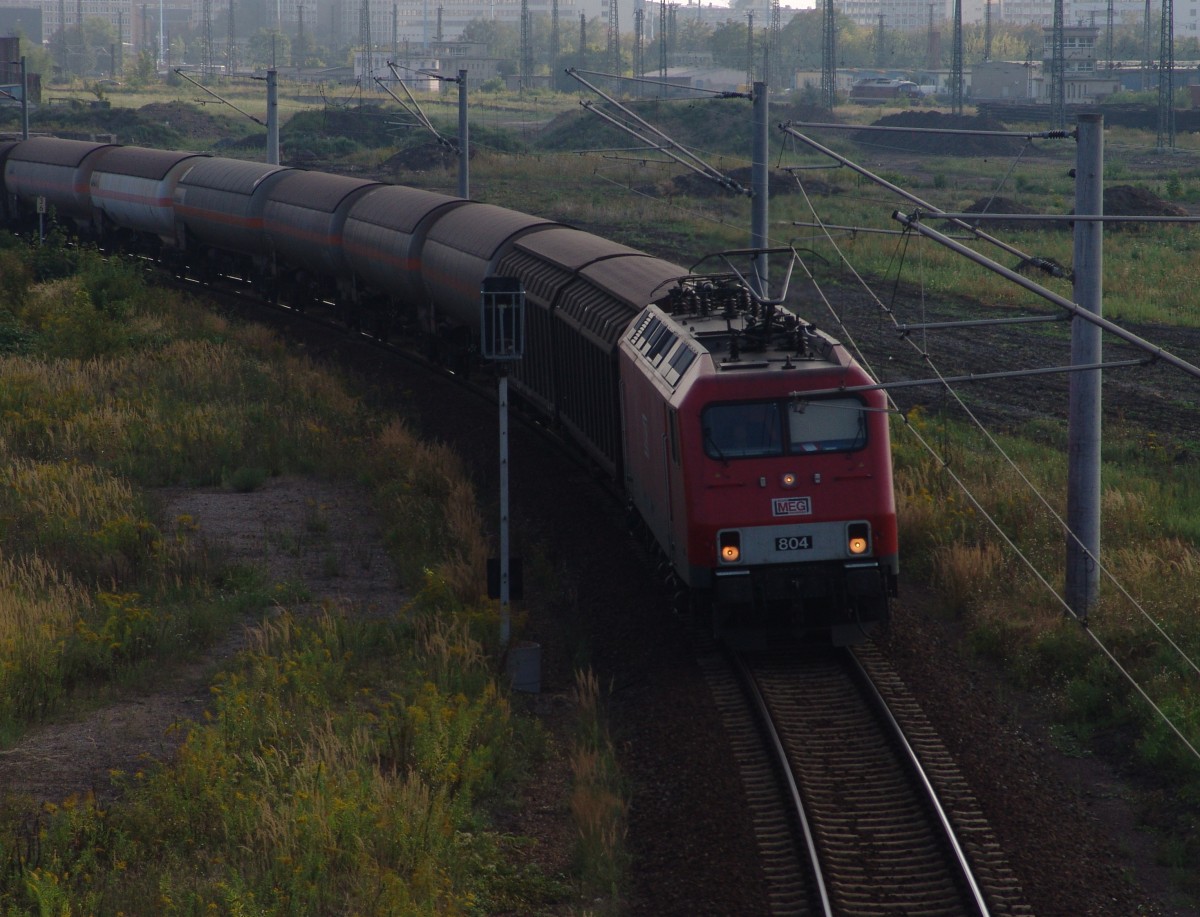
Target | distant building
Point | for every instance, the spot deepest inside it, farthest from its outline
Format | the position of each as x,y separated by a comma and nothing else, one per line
23,21
1006,81
1082,85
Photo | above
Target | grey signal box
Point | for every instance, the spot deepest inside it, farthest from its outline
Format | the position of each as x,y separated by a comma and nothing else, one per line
502,321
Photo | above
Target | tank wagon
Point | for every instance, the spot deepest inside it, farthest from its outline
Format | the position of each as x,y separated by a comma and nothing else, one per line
765,485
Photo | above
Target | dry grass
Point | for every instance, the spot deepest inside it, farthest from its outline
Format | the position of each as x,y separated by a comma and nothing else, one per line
598,804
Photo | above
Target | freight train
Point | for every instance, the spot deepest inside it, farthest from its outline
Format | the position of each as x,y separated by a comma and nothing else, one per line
739,433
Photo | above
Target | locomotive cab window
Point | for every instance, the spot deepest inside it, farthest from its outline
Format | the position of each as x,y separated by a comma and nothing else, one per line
826,425
752,428
757,429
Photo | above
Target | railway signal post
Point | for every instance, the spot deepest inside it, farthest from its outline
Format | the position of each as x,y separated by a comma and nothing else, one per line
502,340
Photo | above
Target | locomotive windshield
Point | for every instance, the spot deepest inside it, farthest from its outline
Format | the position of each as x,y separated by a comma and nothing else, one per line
771,428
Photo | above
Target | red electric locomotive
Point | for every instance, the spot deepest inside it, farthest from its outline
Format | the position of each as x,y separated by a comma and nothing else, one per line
769,489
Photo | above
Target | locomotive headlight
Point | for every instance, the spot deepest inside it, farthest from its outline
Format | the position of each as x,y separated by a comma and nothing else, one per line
788,480
729,547
858,538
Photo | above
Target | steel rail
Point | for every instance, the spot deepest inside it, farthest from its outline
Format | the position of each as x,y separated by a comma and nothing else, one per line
960,856
793,789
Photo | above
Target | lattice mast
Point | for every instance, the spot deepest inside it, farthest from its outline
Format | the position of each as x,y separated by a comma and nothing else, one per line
987,30
207,63
771,73
300,46
63,62
1109,29
933,50
750,48
957,80
526,47
364,41
1058,70
555,37
1166,77
880,54
828,56
231,41
662,39
639,43
614,38
81,42
1147,60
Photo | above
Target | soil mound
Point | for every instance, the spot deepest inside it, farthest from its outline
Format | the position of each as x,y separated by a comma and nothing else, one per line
1129,201
937,144
185,118
1004,205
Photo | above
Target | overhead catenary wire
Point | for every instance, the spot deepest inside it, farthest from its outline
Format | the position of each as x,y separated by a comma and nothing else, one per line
667,145
994,524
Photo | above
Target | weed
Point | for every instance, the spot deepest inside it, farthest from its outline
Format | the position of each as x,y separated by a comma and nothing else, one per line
246,479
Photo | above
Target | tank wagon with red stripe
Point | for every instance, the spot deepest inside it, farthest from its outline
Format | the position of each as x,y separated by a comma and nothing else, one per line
739,433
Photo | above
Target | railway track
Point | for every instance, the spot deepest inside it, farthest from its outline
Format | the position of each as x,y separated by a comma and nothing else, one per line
858,807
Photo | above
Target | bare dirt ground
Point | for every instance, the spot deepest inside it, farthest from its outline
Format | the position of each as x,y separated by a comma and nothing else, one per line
301,532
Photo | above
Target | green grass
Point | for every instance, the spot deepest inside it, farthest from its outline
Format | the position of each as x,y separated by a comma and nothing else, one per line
347,765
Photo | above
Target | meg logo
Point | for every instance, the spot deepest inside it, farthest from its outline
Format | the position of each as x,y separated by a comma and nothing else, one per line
791,506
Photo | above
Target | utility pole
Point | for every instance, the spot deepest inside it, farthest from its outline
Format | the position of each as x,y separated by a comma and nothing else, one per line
1083,435
760,186
583,39
464,140
502,340
272,117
